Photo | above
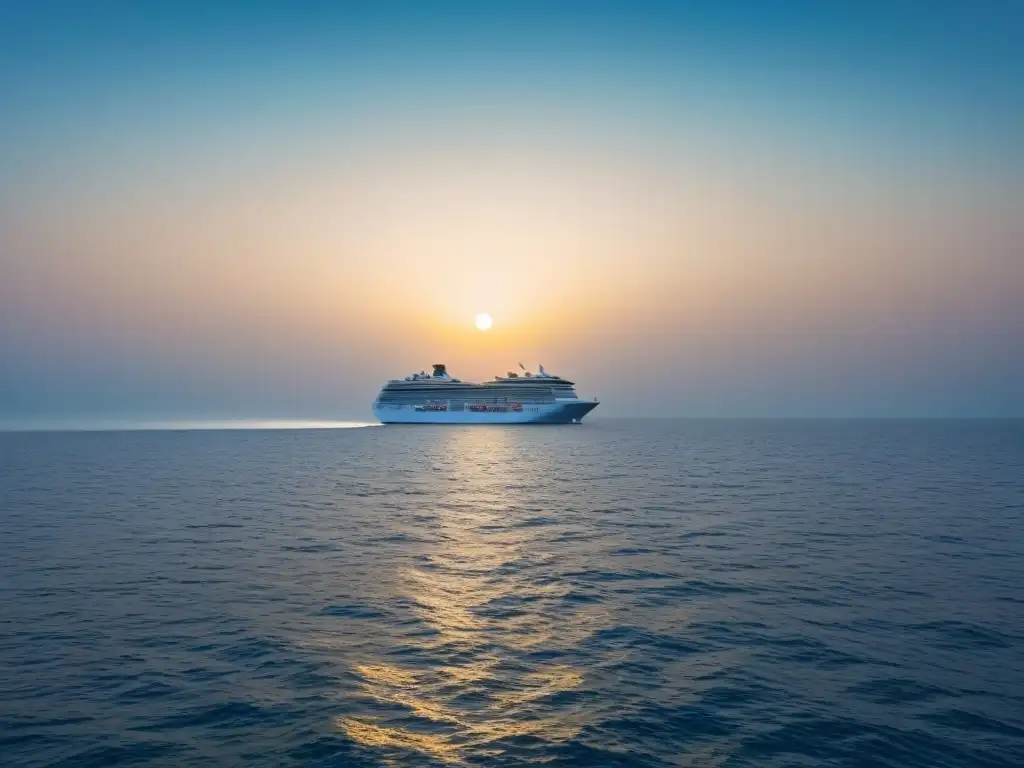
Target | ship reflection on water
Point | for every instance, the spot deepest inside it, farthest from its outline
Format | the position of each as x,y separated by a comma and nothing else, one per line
493,630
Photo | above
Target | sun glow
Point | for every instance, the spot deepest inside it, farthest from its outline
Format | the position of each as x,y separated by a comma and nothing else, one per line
483,321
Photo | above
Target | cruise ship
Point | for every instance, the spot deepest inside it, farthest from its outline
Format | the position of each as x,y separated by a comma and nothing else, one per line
516,398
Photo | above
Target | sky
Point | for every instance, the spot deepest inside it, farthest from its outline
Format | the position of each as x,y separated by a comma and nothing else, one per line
223,210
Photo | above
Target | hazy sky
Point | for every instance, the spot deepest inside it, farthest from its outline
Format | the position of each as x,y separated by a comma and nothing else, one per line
256,209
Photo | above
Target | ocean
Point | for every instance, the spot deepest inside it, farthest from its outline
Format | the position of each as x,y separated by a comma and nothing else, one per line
621,593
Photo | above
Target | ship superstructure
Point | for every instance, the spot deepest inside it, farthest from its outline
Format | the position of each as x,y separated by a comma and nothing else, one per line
516,398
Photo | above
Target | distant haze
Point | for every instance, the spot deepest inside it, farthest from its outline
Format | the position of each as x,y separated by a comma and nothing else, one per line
266,210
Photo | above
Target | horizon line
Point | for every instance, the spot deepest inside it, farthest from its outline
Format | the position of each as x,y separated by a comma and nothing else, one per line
233,425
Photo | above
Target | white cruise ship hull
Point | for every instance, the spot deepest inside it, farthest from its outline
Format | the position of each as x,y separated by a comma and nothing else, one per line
541,413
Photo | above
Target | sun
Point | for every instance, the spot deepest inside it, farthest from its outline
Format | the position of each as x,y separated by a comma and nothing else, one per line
483,321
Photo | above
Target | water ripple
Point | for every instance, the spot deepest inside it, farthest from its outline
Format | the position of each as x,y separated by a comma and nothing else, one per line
624,594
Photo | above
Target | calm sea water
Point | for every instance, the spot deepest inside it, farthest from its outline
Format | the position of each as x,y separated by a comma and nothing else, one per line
616,594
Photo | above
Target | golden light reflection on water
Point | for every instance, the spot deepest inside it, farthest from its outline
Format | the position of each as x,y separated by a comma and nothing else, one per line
464,732
372,735
481,560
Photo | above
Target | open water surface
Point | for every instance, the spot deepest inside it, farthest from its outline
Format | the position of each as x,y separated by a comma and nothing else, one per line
624,593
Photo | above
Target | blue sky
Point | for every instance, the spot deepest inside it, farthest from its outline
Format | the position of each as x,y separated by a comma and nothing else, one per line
800,208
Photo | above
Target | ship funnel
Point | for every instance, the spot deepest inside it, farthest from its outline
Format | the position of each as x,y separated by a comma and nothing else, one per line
439,370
